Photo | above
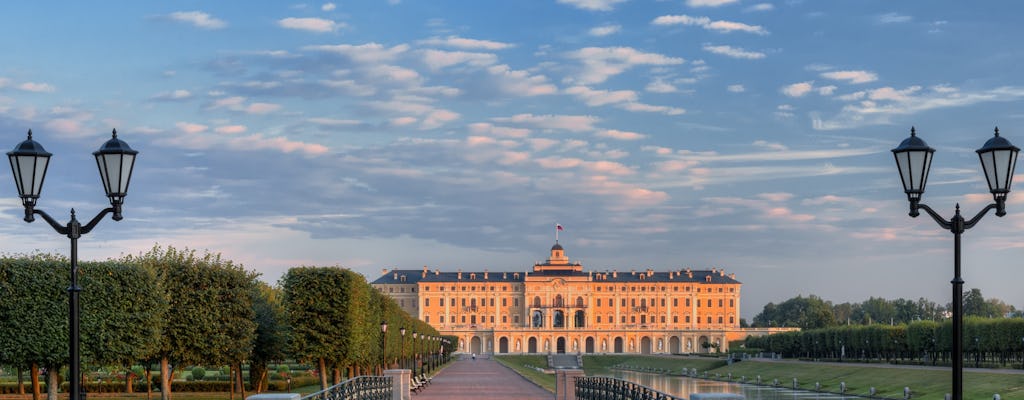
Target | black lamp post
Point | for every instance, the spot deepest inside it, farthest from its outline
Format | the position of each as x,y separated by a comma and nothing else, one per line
415,355
29,161
401,358
383,345
998,160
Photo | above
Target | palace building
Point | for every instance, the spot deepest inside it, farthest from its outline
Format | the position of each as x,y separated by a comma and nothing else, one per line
558,307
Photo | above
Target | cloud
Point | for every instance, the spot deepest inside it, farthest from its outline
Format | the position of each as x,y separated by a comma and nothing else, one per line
620,135
259,142
439,59
174,95
760,7
318,25
369,53
641,107
191,128
198,19
328,7
604,30
231,129
37,87
709,3
571,123
736,88
798,89
893,18
707,23
237,103
851,76
592,5
770,146
468,44
595,98
488,128
600,63
519,82
878,106
734,52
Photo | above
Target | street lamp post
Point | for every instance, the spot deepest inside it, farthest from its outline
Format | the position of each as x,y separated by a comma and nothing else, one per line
998,160
29,162
401,358
383,345
415,355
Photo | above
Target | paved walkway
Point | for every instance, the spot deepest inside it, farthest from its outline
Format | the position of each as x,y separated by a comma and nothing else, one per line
482,378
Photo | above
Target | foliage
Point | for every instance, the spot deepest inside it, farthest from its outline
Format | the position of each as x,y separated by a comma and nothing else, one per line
271,333
805,312
34,310
198,373
121,316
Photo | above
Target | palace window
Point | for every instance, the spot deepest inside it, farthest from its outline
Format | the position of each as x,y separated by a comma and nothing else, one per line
675,319
709,302
599,304
720,319
721,303
632,319
464,319
492,302
623,302
675,302
515,302
426,302
663,302
442,301
599,319
687,302
504,302
536,301
663,319
579,301
709,319
504,319
442,319
515,319
623,319
732,320
427,320
687,319
464,302
732,303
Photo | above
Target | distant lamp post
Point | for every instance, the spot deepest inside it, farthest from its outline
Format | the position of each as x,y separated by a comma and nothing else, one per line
401,358
383,345
998,161
415,355
29,162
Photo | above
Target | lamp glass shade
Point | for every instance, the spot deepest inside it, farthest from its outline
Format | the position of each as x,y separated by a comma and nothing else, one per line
914,160
29,162
115,160
384,327
998,161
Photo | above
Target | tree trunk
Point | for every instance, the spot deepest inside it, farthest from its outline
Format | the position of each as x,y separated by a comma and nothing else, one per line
231,381
52,377
129,381
323,374
257,374
165,379
241,382
149,382
21,381
337,375
34,370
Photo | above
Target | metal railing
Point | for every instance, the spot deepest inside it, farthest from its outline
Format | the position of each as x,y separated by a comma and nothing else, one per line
358,388
604,388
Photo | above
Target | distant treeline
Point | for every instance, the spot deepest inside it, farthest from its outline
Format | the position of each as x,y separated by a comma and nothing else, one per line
812,312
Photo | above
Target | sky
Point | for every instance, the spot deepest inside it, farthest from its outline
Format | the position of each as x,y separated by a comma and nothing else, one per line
749,136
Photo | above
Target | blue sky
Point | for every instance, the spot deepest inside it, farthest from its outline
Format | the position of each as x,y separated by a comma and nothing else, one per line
744,135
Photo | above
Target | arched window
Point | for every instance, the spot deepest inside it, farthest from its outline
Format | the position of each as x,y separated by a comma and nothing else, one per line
538,319
558,301
579,301
536,301
559,319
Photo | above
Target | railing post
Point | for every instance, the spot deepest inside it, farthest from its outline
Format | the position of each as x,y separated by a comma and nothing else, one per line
400,380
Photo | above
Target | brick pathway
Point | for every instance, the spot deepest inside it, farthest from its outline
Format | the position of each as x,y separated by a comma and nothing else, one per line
482,378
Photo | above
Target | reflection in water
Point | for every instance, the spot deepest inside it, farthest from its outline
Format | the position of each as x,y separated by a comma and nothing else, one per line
683,387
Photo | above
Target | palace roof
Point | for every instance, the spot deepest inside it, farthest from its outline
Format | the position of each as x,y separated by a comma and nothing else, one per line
413,276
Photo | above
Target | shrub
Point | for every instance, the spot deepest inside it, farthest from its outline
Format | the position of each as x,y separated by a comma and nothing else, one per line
198,373
283,369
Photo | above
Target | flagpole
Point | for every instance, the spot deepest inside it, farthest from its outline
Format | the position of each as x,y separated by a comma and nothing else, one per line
556,232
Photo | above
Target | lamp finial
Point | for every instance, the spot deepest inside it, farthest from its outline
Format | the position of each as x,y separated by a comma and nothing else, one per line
115,133
913,132
997,131
30,134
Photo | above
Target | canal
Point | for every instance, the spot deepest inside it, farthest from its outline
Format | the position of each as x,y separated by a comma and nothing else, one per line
680,386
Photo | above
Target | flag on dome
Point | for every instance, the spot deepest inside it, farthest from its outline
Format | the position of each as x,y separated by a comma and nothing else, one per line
559,227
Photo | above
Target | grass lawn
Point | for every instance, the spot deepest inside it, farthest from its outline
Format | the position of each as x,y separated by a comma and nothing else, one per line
520,365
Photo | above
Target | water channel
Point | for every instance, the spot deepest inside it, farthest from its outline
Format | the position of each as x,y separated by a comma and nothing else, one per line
680,386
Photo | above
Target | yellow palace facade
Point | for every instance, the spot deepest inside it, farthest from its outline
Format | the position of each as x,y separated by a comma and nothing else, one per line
557,307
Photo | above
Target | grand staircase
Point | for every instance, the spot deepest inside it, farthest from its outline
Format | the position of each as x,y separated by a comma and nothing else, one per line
565,361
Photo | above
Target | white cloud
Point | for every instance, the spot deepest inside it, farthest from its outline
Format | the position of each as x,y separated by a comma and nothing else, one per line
798,89
179,94
319,25
198,19
760,7
826,90
369,53
237,103
571,123
734,52
709,3
191,128
488,128
605,30
707,23
600,63
621,135
770,145
592,5
878,106
736,88
658,85
640,107
37,87
851,76
328,7
893,18
231,129
438,59
468,44
519,82
595,98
